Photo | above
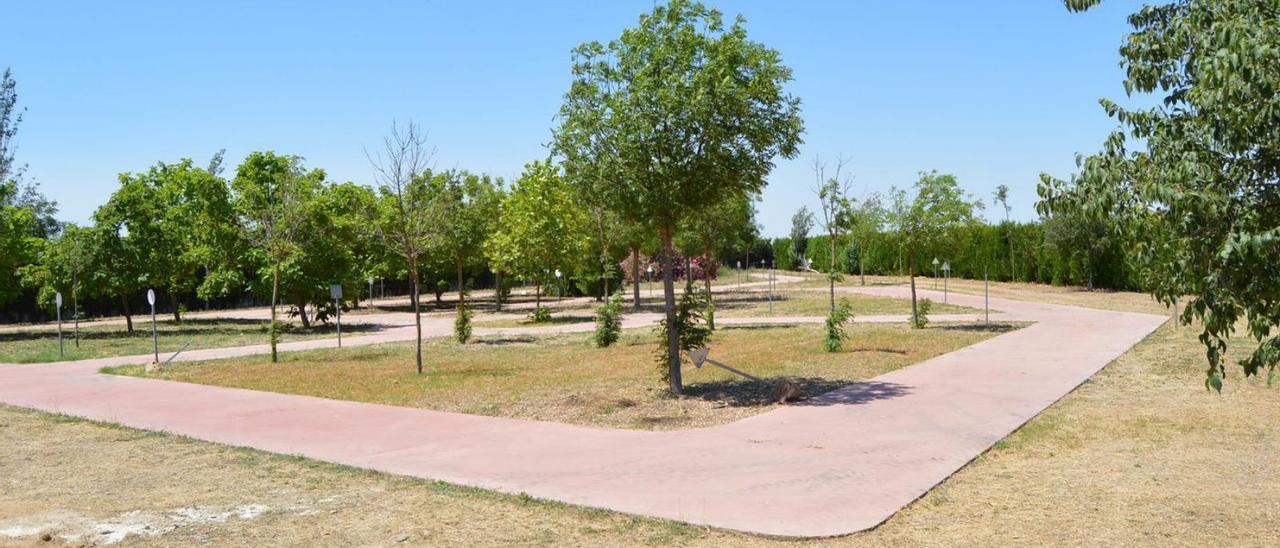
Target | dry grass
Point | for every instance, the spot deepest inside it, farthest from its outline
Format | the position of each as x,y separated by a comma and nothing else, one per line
1140,455
808,302
40,345
563,378
1070,295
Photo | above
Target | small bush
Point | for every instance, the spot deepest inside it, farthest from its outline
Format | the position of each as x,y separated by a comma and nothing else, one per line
609,321
540,315
711,315
922,313
836,336
462,323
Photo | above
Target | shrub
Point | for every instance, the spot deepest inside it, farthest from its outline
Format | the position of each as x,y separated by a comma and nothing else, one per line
462,323
836,336
693,330
922,313
609,321
540,314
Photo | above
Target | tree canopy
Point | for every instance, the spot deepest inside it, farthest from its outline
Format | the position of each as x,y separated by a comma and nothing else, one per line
1194,182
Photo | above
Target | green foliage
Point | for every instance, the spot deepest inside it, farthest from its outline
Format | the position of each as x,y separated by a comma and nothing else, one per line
680,111
692,326
540,314
922,314
801,224
462,323
710,314
840,315
609,321
541,227
1191,185
17,247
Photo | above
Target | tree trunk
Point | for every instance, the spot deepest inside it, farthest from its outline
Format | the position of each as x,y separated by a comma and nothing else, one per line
173,302
911,272
75,308
128,315
497,291
301,303
462,294
415,295
635,276
275,299
673,329
862,260
832,276
604,258
537,296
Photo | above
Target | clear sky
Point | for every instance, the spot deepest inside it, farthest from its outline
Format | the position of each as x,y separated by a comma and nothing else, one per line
992,91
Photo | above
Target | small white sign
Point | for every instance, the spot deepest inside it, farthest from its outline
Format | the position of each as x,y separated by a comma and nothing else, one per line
151,297
946,267
335,291
57,299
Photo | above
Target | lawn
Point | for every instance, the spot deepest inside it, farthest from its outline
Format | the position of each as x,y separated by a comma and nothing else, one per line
100,341
563,378
793,302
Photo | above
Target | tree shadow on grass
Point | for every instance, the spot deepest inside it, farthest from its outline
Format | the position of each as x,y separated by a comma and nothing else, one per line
978,327
813,390
500,341
188,328
755,326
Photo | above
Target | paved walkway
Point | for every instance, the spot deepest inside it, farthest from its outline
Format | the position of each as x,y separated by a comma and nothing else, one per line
834,465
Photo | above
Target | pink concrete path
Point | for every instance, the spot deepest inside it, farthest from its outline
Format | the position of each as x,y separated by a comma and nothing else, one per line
836,464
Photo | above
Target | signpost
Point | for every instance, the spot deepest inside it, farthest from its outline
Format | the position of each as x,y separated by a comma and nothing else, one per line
335,291
559,287
740,274
57,301
935,272
946,275
155,342
650,270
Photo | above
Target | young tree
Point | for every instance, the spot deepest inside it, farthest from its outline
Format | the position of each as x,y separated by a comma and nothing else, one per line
64,268
716,228
837,212
1001,196
866,219
801,224
271,194
543,229
403,216
687,111
937,209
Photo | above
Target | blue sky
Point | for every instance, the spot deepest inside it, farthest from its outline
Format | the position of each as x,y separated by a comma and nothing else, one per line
992,91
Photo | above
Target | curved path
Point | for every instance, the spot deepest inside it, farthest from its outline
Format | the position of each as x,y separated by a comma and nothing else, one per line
837,464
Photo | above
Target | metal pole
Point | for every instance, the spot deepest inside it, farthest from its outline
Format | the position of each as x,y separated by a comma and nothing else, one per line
946,276
338,305
60,350
770,284
986,295
155,342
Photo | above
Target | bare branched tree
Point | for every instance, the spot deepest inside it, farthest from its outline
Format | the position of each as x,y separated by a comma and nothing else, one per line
833,196
400,170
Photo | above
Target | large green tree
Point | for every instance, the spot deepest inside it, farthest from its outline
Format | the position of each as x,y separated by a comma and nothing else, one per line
462,207
18,247
542,228
685,111
938,207
181,221
1194,181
